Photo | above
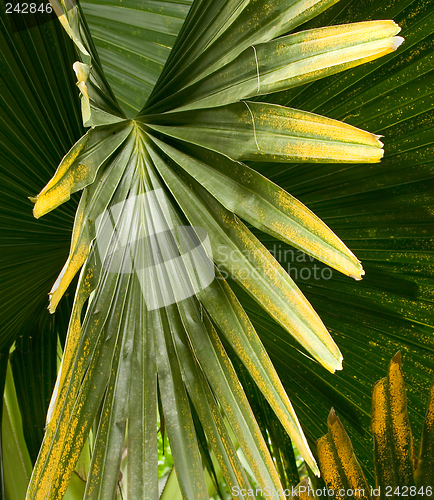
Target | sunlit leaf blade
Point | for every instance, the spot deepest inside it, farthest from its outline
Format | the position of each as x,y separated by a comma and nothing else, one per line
275,435
224,382
245,259
142,418
177,415
287,62
94,201
266,132
339,466
80,395
104,475
265,205
208,411
425,463
229,316
133,40
86,285
217,32
220,302
393,440
211,477
107,453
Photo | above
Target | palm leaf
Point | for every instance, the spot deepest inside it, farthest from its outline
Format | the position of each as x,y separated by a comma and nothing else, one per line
134,40
170,80
286,62
70,418
16,466
395,467
382,213
40,121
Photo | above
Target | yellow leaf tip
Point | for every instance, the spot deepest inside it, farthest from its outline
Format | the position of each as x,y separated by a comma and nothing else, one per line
333,420
398,28
54,299
359,272
38,211
395,26
50,308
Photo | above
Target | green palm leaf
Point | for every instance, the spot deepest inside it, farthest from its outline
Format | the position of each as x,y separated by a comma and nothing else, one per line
134,40
382,214
75,404
396,470
286,62
194,57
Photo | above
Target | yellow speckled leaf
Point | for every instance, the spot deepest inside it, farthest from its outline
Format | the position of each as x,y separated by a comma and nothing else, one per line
339,466
267,132
266,206
80,165
227,29
83,381
393,439
93,202
288,62
248,262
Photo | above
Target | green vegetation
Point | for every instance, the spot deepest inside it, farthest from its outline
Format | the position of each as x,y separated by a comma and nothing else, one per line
398,471
224,110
